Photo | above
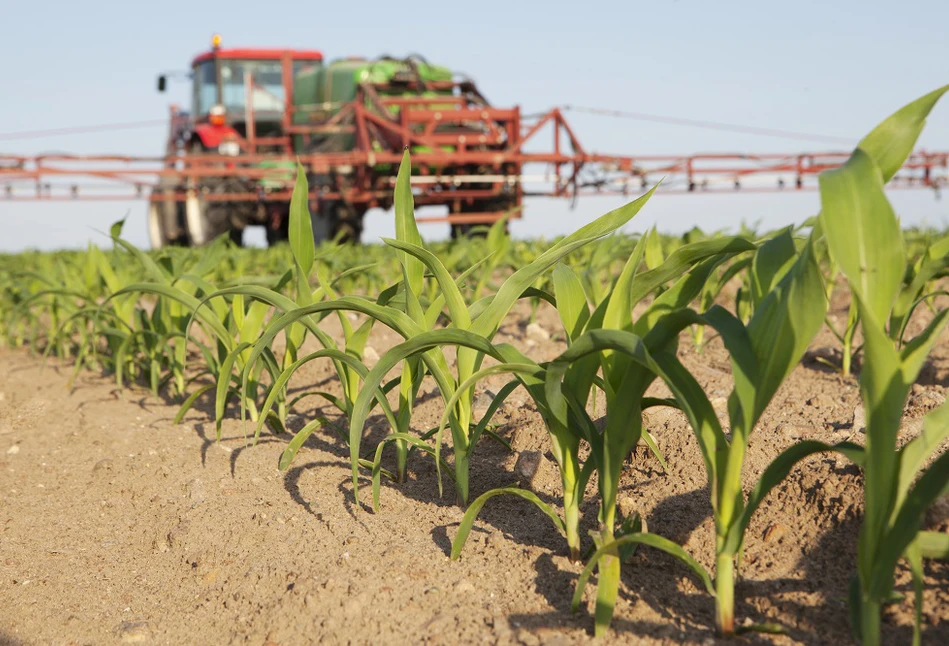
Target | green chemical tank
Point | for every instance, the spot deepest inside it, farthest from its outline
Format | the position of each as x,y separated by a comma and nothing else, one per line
320,91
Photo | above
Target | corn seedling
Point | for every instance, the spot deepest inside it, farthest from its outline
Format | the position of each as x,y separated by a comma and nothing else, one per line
864,239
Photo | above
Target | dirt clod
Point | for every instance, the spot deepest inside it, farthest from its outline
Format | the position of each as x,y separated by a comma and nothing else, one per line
134,632
105,464
196,492
858,421
537,333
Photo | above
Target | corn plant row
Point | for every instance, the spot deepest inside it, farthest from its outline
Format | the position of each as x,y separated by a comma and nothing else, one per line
232,324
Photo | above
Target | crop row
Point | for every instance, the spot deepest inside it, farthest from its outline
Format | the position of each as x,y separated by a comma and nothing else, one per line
232,324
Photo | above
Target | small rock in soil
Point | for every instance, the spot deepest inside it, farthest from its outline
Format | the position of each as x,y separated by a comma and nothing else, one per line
910,428
537,333
775,532
791,431
103,465
626,506
370,354
464,586
13,450
134,632
196,492
483,400
176,534
533,470
859,420
927,398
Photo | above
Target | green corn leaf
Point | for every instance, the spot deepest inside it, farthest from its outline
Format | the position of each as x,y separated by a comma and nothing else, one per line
493,407
682,259
376,465
184,298
679,295
905,527
329,353
914,354
471,514
920,448
300,226
774,475
453,298
653,254
572,304
152,269
914,557
933,263
286,458
618,314
189,402
891,142
784,324
933,545
224,384
418,343
863,234
770,263
512,288
525,370
645,538
406,229
116,229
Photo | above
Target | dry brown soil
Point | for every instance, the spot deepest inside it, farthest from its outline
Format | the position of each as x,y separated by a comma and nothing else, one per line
118,526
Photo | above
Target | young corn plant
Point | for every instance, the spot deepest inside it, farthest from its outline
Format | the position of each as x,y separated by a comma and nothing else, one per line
562,389
478,323
483,317
242,361
407,299
763,352
864,238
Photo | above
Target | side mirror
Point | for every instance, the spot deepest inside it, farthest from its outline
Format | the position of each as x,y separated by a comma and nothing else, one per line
162,82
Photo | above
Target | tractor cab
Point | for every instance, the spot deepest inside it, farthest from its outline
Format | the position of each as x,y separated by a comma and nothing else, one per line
240,94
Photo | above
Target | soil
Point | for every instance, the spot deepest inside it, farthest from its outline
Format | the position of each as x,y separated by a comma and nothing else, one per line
119,526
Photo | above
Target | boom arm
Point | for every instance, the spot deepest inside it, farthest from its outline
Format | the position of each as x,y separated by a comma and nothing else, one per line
463,149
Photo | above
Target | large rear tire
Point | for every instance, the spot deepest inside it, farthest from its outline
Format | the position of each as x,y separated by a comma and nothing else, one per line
337,220
166,219
208,220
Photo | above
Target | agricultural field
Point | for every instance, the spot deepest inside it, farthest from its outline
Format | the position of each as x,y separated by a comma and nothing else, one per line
639,438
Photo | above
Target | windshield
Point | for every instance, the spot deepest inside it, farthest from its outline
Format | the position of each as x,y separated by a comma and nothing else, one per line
268,86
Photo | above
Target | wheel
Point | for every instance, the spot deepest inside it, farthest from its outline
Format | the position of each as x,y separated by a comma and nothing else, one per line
207,220
277,227
336,220
468,231
479,230
166,221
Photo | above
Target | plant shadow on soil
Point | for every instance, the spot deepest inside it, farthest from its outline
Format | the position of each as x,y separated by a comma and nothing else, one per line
816,594
652,577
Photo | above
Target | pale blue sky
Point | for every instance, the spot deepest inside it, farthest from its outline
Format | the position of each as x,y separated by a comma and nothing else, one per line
832,67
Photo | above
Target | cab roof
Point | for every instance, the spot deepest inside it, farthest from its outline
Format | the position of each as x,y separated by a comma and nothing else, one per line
243,53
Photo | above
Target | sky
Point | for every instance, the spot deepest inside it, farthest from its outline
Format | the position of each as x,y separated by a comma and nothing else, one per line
834,68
